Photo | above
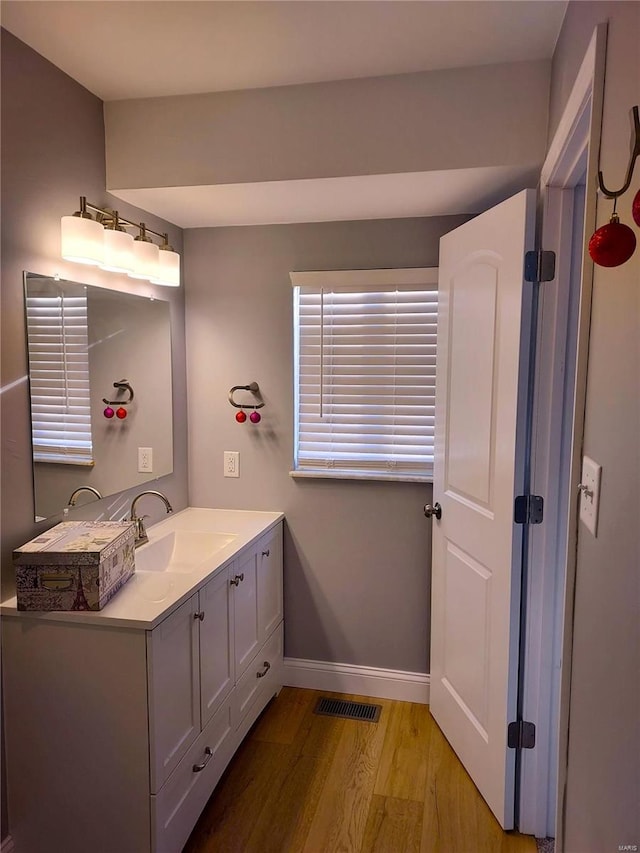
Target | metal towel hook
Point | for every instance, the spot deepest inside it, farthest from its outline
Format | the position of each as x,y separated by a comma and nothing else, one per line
254,389
123,384
635,153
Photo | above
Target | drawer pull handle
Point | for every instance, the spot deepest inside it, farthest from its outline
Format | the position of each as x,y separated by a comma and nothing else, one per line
266,553
235,581
199,614
209,753
267,667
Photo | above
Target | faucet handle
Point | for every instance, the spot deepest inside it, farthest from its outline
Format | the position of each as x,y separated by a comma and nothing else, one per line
141,533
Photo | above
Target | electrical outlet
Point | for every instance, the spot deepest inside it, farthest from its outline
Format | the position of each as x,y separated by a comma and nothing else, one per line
590,494
231,463
145,460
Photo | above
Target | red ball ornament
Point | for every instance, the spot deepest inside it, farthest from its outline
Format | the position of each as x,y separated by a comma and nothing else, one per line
121,413
255,418
108,412
635,209
612,244
241,417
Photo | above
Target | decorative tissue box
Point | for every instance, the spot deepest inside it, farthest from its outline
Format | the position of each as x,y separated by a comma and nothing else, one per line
77,565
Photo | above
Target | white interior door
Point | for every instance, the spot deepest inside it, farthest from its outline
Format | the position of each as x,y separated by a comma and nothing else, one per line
481,392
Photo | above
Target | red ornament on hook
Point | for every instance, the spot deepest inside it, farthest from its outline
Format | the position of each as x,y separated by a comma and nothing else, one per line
612,244
241,417
121,413
635,209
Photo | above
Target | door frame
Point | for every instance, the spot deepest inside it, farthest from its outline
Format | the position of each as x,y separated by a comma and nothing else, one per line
552,545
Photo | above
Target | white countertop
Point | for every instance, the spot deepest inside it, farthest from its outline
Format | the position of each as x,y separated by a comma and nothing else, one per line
148,597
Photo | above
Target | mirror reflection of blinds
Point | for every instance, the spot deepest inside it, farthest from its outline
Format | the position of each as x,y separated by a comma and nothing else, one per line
57,330
366,361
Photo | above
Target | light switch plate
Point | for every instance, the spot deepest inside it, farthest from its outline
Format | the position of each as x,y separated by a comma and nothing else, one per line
590,494
231,463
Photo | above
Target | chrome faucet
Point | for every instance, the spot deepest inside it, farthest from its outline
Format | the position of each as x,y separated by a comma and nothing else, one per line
74,494
141,533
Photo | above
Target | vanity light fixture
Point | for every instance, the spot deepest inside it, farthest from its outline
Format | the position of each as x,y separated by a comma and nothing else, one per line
82,237
145,256
104,241
168,266
118,247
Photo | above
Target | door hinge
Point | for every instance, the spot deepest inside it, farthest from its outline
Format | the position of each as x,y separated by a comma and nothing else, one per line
528,509
521,735
539,265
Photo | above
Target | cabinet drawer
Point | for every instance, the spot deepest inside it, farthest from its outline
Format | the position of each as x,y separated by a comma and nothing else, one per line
177,806
254,683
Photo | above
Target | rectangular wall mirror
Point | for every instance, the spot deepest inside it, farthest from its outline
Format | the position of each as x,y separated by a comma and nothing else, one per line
82,341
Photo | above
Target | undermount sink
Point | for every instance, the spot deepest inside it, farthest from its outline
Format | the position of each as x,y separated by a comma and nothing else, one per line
181,550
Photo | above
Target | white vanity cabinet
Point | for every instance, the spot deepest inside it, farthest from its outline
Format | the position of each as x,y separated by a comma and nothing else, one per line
256,587
190,673
229,634
258,638
117,734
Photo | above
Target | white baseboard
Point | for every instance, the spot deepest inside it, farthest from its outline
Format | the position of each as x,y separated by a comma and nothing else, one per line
363,680
7,845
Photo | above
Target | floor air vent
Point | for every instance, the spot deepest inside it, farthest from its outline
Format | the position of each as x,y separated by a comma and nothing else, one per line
348,709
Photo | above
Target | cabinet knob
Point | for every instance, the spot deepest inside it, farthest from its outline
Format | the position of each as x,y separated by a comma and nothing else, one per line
208,753
266,553
199,614
267,667
236,580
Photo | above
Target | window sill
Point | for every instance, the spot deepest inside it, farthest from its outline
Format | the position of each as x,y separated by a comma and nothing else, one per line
328,474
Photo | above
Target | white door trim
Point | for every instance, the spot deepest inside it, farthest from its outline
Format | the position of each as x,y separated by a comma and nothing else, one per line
551,577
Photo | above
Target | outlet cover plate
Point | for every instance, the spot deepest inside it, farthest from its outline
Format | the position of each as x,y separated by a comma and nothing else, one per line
145,460
590,494
231,462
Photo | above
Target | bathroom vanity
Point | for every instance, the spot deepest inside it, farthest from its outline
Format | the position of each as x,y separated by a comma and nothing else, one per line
119,723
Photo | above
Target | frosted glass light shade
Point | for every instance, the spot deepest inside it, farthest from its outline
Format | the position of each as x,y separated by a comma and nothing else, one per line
81,240
118,251
145,260
168,269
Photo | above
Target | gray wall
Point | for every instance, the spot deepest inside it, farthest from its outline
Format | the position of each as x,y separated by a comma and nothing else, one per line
492,115
52,152
357,554
603,783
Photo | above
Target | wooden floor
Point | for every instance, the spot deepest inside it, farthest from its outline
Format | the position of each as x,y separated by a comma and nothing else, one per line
304,782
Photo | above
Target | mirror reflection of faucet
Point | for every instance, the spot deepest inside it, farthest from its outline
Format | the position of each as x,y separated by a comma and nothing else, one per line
74,495
141,533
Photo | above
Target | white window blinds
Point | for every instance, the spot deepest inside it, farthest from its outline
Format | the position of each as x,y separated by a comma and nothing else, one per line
365,373
57,332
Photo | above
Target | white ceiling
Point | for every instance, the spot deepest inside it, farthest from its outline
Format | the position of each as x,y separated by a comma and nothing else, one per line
145,48
395,196
149,48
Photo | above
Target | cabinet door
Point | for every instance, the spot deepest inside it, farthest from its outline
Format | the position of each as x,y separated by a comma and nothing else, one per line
269,582
174,689
216,662
243,584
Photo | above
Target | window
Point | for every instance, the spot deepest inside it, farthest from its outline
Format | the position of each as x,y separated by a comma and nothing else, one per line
365,360
57,330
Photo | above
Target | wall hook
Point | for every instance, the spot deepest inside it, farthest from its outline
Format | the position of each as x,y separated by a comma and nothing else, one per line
254,389
123,384
635,153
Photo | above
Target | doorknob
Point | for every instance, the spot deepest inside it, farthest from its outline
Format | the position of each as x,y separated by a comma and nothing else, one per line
436,510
